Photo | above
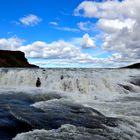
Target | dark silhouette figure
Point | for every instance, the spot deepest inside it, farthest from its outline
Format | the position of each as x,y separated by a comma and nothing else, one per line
38,82
62,77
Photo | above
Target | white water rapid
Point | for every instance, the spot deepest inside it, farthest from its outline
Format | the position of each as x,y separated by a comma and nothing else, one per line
113,92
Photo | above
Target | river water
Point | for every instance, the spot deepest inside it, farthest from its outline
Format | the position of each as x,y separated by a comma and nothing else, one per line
70,104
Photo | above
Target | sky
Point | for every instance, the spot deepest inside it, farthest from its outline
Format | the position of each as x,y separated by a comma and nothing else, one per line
72,33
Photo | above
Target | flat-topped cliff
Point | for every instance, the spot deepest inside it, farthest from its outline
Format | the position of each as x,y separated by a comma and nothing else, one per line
14,59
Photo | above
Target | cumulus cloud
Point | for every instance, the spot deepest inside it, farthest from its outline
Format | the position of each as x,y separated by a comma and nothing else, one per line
60,53
11,43
57,50
54,50
109,9
88,42
119,21
114,25
30,20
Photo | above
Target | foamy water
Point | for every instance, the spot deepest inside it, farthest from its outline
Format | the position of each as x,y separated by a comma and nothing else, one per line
113,92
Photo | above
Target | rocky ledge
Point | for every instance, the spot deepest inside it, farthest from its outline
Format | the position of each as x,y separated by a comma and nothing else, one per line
133,66
14,59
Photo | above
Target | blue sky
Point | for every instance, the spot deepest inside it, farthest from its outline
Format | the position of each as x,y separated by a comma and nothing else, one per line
69,33
60,11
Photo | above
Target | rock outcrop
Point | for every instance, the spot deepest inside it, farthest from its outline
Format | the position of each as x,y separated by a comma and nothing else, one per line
14,59
133,66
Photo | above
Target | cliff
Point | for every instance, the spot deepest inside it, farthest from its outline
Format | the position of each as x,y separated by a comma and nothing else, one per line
14,59
133,66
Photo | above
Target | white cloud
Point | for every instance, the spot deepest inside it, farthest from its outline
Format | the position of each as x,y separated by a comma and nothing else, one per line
68,29
119,21
61,53
88,42
86,8
86,26
56,53
55,50
30,20
11,43
111,26
109,9
53,23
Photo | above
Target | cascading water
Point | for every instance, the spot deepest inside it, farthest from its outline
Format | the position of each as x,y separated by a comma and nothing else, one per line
84,81
70,104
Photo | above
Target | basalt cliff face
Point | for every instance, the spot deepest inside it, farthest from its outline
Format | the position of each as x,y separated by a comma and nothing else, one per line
14,59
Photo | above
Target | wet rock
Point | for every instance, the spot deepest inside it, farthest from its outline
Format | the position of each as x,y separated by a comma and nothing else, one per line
61,77
127,87
135,81
38,82
22,114
65,112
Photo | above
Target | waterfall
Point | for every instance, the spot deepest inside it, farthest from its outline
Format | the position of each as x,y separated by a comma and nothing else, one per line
71,99
85,81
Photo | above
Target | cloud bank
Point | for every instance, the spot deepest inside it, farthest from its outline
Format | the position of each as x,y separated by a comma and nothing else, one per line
57,52
119,22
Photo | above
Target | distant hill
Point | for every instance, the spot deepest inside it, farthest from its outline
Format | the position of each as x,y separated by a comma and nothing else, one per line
14,59
133,66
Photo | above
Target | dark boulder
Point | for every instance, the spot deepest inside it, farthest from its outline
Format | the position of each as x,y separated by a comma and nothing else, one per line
38,82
